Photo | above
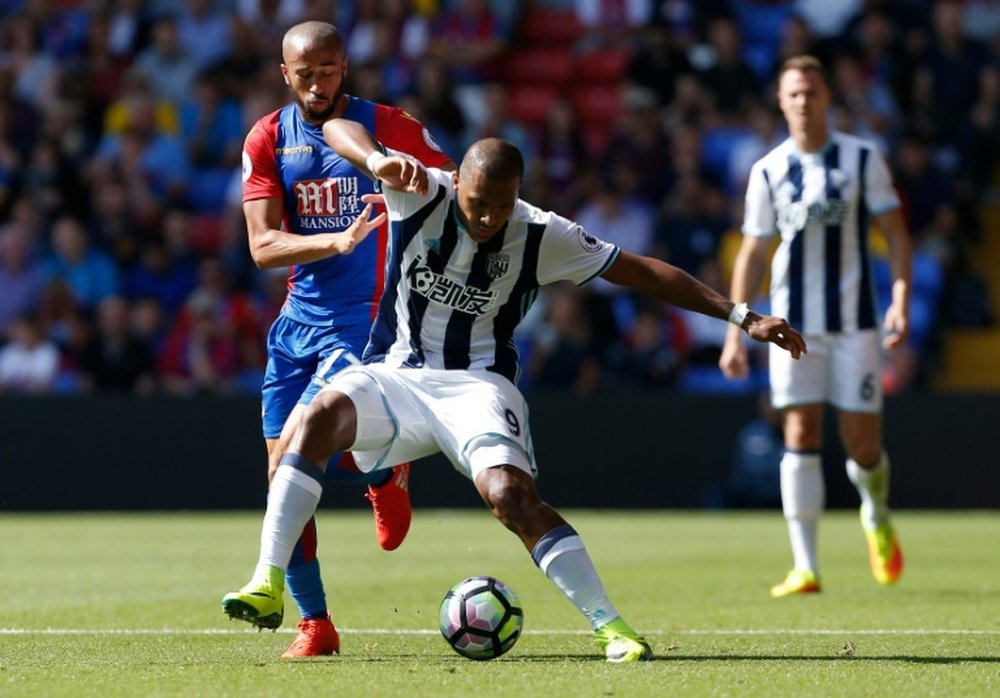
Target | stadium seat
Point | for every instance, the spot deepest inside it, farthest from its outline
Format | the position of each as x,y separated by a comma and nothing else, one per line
602,67
549,26
530,103
599,104
535,66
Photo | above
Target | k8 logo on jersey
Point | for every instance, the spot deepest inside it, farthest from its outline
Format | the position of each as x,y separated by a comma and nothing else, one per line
440,289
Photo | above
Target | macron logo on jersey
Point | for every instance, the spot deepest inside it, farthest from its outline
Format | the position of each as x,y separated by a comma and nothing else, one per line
322,204
441,289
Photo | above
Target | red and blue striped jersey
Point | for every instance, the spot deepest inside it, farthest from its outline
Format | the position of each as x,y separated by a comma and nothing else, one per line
285,157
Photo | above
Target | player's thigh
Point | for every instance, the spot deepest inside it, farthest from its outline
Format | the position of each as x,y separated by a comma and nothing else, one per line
291,362
855,373
481,421
392,425
799,381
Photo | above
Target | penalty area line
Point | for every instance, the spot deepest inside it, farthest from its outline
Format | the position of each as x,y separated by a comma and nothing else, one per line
539,631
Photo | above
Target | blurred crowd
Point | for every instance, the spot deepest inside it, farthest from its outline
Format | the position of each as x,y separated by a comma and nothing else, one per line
123,257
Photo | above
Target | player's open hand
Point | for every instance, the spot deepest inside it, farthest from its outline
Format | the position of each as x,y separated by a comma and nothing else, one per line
896,326
401,173
734,361
765,328
346,241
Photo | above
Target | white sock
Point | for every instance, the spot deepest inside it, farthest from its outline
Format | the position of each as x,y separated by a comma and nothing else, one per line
873,486
802,495
291,501
564,560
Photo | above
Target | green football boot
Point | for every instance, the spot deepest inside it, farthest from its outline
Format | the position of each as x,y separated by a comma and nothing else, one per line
621,643
261,601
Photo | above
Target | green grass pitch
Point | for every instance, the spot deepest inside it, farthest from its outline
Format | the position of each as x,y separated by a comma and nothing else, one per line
123,605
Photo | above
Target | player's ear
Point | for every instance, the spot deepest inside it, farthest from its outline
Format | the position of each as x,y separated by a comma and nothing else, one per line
454,179
284,74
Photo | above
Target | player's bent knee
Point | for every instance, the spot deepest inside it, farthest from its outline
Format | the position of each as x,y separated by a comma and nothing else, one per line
330,417
509,492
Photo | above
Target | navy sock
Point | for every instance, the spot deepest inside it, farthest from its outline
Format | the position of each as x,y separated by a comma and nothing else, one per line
340,469
306,586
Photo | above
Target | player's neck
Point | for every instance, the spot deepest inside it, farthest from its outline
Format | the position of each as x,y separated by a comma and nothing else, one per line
811,141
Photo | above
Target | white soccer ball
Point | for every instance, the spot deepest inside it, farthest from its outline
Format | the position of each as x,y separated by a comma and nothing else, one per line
481,617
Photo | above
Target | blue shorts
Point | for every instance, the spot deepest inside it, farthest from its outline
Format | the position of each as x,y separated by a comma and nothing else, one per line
301,359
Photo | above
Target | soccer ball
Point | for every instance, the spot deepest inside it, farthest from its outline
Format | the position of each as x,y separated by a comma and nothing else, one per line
481,617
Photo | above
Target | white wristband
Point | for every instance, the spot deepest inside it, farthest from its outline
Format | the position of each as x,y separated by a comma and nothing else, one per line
373,157
738,314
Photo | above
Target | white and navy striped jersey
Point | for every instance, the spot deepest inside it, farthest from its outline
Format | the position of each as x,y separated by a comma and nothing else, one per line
453,303
821,278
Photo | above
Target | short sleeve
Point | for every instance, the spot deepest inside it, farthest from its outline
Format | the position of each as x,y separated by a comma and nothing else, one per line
260,176
570,253
880,195
758,214
396,129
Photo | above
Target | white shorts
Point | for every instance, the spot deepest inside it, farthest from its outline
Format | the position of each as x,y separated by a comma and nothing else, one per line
842,369
477,419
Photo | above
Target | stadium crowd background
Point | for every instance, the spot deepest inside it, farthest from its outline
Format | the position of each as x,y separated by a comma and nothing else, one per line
123,257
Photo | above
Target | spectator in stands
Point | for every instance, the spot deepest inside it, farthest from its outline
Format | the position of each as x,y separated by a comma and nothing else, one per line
21,279
651,353
28,362
565,352
728,78
690,223
211,124
498,123
167,66
146,155
437,107
201,353
89,272
36,72
657,63
204,32
115,360
639,142
470,42
611,24
563,155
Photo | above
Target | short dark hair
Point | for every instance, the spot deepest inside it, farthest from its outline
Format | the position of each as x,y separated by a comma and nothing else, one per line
804,64
496,158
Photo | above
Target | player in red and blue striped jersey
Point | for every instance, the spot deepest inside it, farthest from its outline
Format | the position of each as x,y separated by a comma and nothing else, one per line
301,201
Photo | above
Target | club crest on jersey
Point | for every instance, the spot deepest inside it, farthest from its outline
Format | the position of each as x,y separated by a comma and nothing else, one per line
497,264
588,241
440,289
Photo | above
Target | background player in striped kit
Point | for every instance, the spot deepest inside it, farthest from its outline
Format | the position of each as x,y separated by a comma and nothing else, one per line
817,191
467,258
299,199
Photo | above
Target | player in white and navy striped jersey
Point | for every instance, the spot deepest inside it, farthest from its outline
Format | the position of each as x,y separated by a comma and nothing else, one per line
466,260
818,191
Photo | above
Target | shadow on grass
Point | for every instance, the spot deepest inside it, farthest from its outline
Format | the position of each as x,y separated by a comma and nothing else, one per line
562,658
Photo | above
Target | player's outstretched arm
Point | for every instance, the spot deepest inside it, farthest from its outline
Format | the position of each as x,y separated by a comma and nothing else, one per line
352,141
667,283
